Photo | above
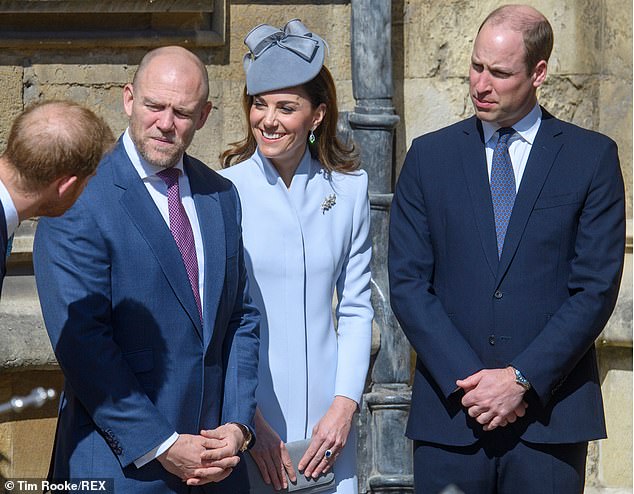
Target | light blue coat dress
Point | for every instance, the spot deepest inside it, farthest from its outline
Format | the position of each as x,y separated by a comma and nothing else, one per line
304,244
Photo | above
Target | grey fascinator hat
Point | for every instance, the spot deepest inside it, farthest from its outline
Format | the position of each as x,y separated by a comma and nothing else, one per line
278,59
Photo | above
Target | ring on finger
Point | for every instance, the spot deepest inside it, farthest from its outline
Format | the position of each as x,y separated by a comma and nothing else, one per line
327,454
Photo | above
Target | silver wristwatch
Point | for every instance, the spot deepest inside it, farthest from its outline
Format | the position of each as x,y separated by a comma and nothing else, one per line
521,380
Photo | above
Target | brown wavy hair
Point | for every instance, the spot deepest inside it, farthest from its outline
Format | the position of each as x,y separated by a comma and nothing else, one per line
328,149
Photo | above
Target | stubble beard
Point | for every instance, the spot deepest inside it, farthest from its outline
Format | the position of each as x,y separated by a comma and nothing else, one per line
158,158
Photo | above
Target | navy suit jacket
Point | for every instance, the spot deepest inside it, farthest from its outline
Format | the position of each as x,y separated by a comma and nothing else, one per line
125,328
3,245
539,308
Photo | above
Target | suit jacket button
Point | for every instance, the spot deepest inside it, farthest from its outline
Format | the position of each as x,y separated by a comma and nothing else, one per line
497,294
492,340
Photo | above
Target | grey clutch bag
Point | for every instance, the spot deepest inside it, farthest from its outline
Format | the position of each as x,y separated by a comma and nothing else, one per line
296,450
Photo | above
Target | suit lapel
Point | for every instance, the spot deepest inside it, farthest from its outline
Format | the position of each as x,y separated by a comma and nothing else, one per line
475,169
540,160
144,214
212,230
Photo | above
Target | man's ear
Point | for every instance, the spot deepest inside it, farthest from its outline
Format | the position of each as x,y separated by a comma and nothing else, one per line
128,99
206,110
64,184
539,74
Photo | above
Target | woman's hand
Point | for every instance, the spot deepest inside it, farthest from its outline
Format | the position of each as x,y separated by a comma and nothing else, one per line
330,434
270,455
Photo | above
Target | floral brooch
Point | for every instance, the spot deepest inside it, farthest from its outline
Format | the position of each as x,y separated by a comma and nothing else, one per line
328,203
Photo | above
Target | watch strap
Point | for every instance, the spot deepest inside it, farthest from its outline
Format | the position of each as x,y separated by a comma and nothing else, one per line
246,434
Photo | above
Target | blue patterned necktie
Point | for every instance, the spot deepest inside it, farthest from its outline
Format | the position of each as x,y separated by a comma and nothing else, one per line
502,185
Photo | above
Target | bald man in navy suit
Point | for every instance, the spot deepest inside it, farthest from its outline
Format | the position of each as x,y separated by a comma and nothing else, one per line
53,149
506,249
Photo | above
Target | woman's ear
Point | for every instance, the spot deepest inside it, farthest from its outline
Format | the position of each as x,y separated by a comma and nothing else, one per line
318,116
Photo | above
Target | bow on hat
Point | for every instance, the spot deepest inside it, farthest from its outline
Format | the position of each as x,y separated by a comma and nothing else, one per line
279,59
296,37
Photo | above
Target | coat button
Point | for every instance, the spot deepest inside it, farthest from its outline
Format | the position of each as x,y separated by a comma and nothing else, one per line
492,340
497,294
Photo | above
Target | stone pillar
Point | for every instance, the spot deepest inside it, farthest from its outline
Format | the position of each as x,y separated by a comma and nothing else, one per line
385,463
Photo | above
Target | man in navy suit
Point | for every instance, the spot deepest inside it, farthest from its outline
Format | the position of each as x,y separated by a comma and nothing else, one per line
53,149
502,294
157,341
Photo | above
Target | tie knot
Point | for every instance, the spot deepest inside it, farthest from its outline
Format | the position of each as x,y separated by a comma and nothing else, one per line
506,133
169,175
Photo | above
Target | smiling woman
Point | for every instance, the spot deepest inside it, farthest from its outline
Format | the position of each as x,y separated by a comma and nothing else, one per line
299,186
281,122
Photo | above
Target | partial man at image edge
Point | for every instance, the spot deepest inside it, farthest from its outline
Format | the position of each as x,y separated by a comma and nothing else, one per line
52,150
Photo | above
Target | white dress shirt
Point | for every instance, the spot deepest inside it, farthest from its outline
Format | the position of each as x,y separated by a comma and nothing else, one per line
10,213
157,189
520,143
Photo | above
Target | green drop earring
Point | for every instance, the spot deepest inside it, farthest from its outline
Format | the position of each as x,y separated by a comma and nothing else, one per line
311,137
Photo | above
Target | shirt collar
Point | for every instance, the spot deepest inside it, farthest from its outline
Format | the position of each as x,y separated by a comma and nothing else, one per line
527,127
143,168
10,213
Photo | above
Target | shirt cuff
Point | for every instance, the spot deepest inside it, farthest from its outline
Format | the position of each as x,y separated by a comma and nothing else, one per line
156,452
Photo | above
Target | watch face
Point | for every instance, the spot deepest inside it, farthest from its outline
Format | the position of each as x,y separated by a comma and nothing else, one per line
521,380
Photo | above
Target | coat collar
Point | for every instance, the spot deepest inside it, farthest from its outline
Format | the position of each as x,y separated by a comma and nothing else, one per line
306,169
475,169
212,229
543,153
547,145
143,213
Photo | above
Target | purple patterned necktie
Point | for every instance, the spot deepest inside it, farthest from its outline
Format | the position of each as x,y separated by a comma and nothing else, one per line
181,230
502,185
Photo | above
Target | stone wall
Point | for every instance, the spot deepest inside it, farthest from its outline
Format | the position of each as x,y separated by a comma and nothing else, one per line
589,83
